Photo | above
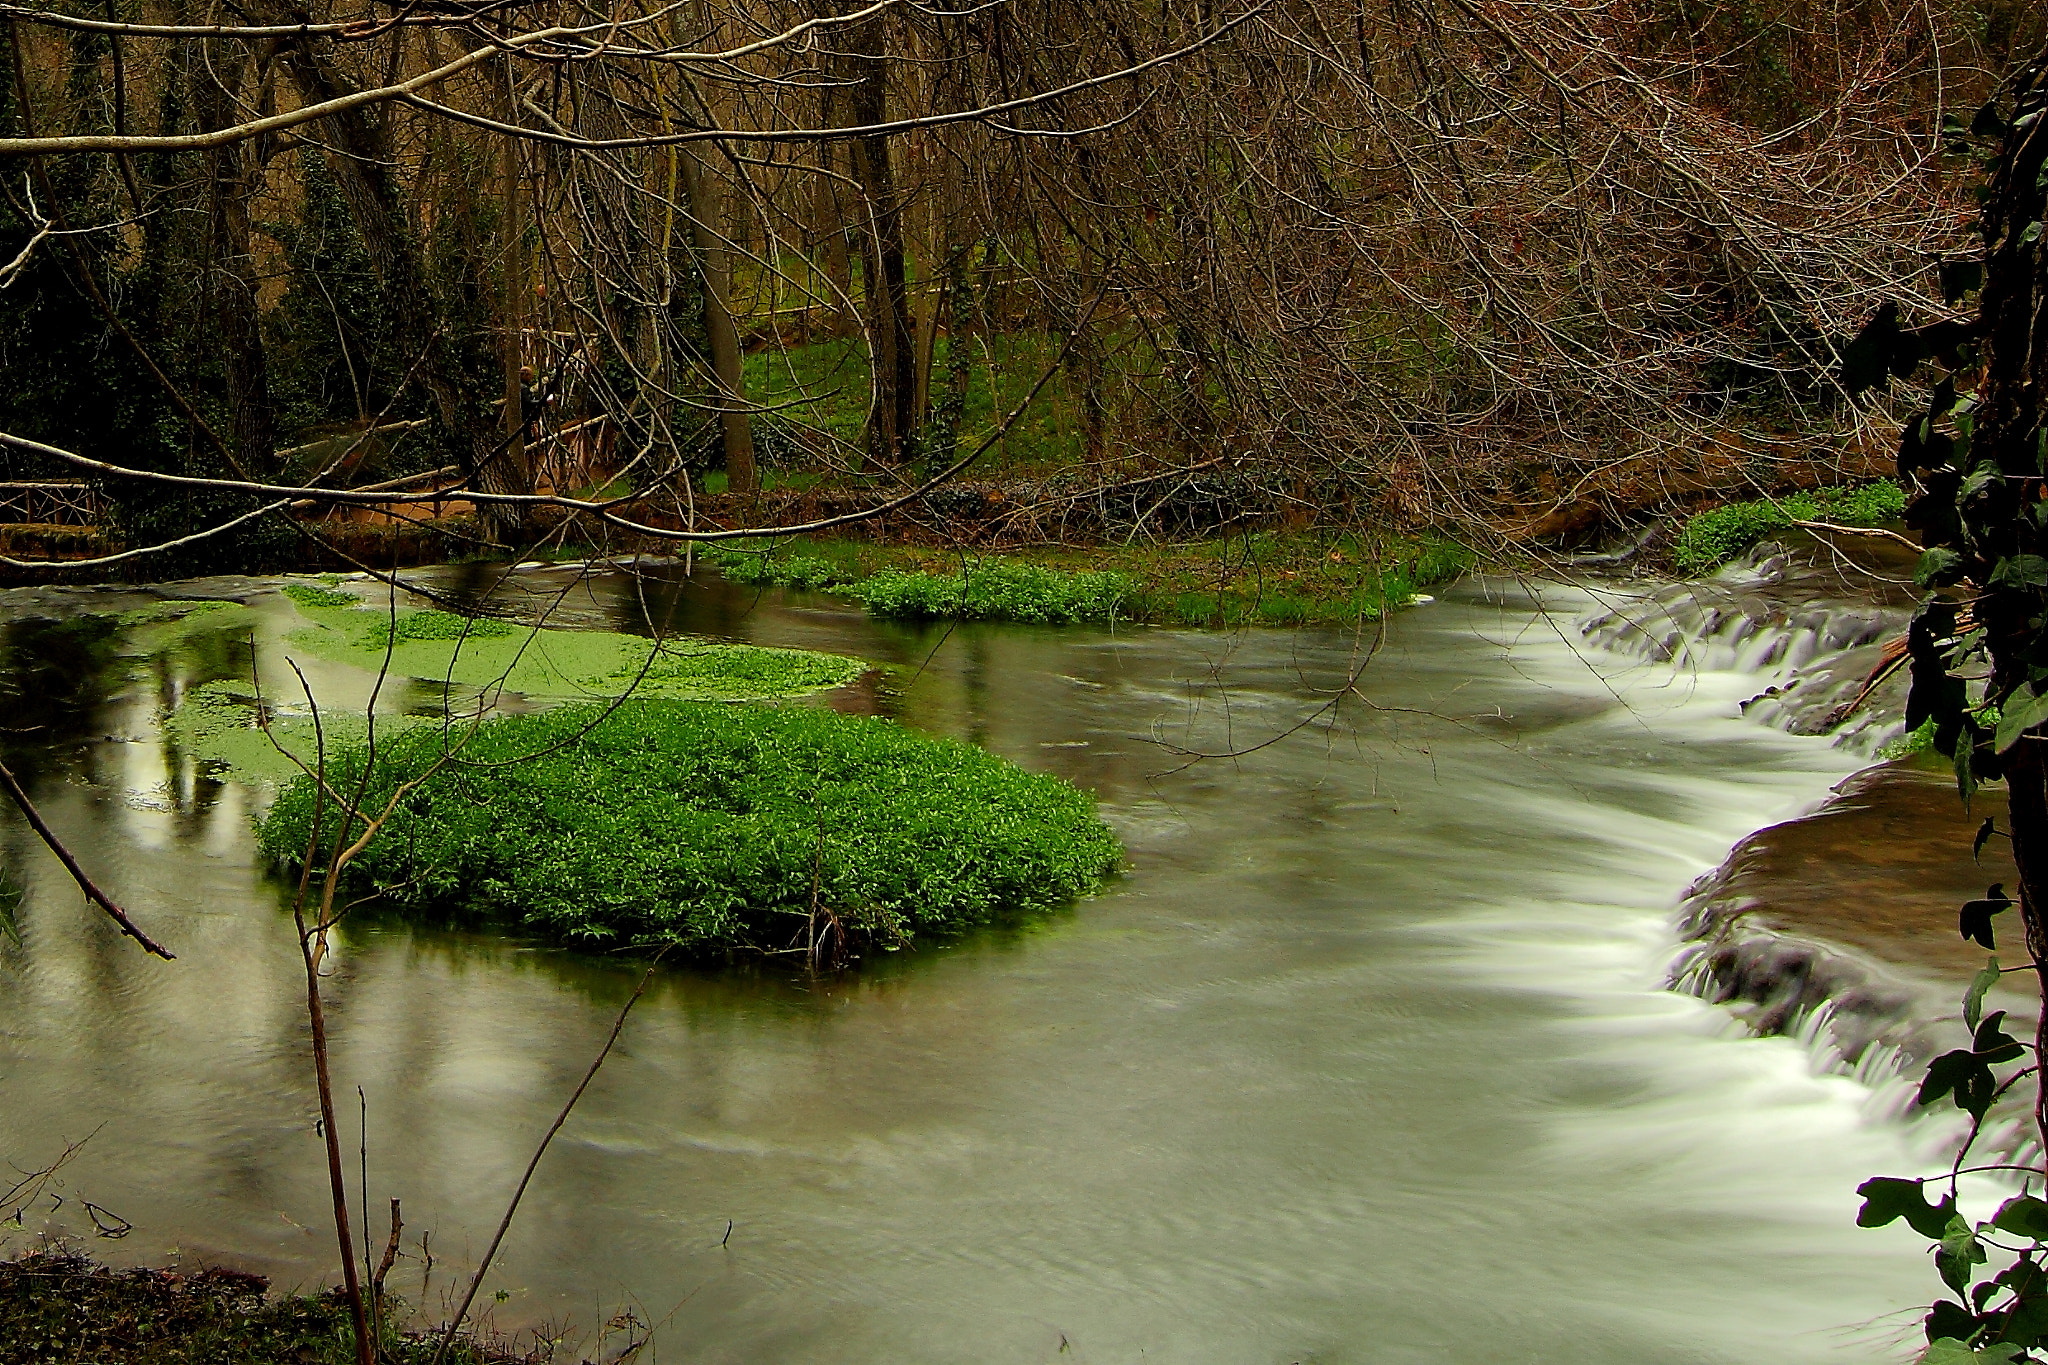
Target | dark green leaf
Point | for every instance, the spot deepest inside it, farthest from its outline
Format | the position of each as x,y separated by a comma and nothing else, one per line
1950,1320
1937,568
1984,833
2020,571
1887,1198
1959,1254
1992,1043
2033,232
1987,123
2023,1216
1973,1002
1975,919
2020,711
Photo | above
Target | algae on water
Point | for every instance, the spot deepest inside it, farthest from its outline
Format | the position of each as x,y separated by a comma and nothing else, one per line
540,661
225,722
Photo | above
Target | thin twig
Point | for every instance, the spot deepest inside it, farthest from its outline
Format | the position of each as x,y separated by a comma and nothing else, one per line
85,883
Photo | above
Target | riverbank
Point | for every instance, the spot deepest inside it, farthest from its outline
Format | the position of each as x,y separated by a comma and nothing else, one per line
57,1305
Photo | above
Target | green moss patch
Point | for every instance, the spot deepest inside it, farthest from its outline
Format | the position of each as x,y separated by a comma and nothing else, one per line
486,652
217,723
1711,539
714,828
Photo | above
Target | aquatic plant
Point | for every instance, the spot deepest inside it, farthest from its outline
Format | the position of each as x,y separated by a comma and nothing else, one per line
1712,538
713,828
1262,578
317,598
547,662
996,590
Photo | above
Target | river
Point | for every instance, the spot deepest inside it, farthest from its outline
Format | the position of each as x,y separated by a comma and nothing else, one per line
1366,1057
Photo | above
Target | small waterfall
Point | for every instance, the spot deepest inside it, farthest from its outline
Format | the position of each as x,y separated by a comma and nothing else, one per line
1769,616
1784,621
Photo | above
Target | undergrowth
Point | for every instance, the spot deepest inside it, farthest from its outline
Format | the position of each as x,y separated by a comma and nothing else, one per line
1711,539
713,828
56,1307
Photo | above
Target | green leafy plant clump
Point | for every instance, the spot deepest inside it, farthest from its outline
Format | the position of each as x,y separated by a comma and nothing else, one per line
317,598
712,828
432,625
1711,539
1264,578
996,590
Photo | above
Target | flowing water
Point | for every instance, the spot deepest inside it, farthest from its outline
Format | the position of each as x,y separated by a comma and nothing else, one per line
1367,1056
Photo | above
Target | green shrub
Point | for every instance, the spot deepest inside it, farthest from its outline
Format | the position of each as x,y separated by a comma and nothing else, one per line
713,827
1711,539
996,591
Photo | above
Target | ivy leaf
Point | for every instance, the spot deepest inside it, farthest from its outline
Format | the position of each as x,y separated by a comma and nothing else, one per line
1993,1044
1949,1351
1975,919
2020,712
1950,1320
2032,234
1959,1252
1984,833
1937,568
2020,571
1987,123
2023,1216
1888,1198
1973,1002
1959,278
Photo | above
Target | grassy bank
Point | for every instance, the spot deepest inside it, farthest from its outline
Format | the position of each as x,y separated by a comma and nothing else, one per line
1266,578
1712,538
56,1307
715,828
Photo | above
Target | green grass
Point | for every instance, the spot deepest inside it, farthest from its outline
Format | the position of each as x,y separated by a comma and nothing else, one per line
1268,578
714,828
1711,539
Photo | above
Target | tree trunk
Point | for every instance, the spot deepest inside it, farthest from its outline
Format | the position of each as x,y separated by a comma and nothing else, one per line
513,460
892,421
359,154
232,173
707,223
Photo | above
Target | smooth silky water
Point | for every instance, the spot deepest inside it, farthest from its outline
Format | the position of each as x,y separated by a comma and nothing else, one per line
1365,1058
